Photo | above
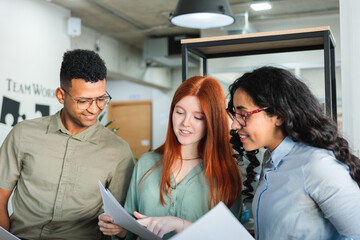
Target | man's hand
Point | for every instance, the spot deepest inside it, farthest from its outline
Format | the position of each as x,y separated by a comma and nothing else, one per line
107,227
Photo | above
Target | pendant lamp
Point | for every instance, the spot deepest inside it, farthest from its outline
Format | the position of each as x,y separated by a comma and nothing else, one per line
202,14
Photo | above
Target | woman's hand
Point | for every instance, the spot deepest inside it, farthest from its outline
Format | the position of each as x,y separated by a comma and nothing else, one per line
162,225
107,227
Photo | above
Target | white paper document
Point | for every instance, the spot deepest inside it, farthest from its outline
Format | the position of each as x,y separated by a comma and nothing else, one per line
5,235
121,217
219,223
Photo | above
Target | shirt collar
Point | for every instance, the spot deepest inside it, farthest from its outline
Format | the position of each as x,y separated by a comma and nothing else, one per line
91,134
281,151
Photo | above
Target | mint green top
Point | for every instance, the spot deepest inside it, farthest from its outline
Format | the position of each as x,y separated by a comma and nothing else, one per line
189,198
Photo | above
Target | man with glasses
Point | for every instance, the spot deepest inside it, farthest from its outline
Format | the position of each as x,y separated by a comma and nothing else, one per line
53,164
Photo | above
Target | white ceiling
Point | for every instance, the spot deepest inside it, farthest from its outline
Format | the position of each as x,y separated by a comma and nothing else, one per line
131,21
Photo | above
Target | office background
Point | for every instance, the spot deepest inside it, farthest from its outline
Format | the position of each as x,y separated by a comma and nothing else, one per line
34,36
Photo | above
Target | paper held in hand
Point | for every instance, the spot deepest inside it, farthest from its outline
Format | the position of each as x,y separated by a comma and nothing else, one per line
219,223
121,217
5,235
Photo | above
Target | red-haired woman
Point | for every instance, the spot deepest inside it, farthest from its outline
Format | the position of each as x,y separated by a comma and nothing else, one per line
191,172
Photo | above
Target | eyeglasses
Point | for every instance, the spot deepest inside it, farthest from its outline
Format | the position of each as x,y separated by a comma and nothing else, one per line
85,103
242,118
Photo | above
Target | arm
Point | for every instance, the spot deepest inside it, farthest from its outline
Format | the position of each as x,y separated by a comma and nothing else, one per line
4,215
162,225
338,196
10,165
120,181
119,187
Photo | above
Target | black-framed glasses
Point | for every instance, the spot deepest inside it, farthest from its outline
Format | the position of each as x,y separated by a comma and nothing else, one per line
242,118
85,103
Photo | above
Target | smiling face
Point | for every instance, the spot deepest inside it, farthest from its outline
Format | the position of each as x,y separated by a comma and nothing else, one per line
74,119
188,121
261,130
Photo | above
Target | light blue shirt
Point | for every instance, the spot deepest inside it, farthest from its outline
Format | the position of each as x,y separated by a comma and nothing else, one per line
305,193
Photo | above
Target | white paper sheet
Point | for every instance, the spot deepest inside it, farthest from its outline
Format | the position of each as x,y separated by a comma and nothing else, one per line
219,223
5,235
121,217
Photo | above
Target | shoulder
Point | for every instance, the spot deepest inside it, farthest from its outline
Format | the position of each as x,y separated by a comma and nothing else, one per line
111,139
40,123
149,159
111,136
320,161
323,171
308,156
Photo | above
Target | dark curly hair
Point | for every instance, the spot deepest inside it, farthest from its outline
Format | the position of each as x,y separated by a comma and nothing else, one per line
250,169
83,64
304,118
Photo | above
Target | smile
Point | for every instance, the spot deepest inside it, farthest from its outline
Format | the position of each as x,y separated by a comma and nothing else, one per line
91,117
243,137
184,132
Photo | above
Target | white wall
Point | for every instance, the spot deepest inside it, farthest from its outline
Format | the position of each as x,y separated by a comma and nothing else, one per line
123,61
33,40
350,35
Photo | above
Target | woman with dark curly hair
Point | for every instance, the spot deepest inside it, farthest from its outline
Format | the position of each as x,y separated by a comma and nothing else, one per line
309,183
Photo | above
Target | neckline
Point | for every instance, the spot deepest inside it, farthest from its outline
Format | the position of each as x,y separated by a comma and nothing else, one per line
193,172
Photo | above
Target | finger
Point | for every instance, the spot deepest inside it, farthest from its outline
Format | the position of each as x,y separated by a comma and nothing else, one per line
106,232
145,221
150,226
139,215
106,225
162,233
157,229
105,218
112,231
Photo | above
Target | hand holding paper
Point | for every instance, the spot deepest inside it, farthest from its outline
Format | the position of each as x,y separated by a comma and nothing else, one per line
107,227
219,223
162,225
121,217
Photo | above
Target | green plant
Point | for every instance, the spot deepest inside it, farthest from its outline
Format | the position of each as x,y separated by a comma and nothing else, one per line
101,116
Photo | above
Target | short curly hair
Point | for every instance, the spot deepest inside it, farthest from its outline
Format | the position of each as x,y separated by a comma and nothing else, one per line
83,64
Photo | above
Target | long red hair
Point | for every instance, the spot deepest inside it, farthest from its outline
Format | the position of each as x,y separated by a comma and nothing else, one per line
221,169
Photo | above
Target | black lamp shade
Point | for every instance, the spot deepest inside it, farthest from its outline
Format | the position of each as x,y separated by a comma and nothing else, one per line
202,14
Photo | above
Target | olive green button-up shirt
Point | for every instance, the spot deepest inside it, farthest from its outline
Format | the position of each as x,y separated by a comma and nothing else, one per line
56,175
189,198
